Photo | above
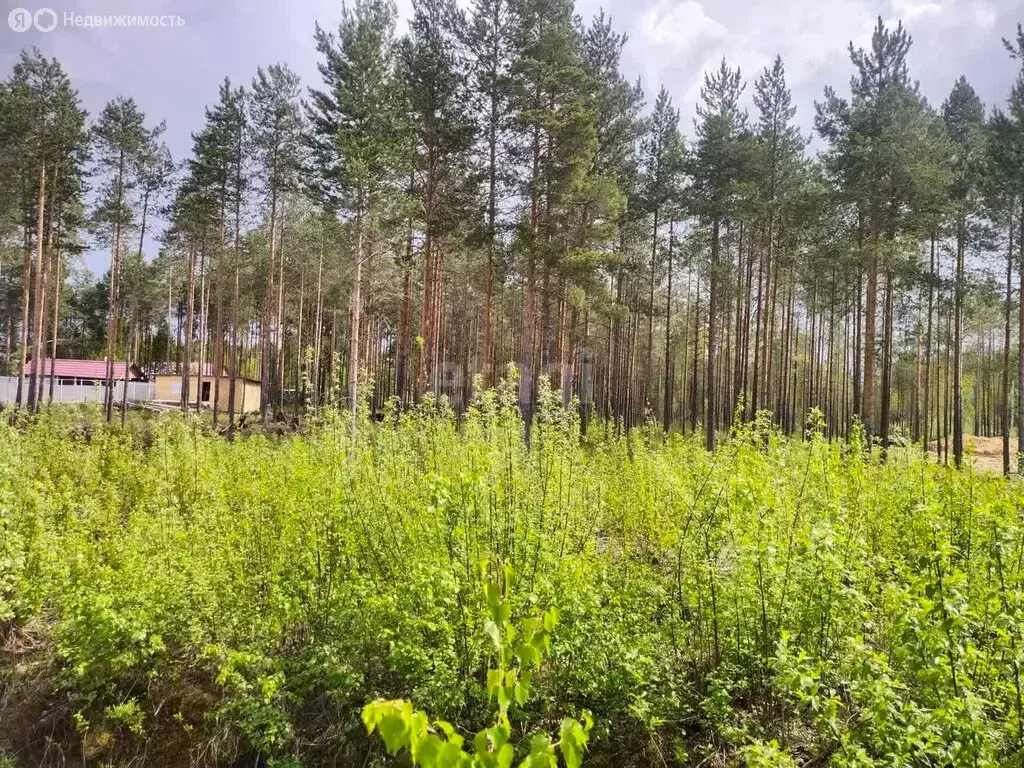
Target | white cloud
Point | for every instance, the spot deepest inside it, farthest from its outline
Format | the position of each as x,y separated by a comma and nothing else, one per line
910,10
679,26
674,43
984,14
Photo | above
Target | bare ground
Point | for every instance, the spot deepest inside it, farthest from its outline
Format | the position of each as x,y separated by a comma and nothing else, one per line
985,454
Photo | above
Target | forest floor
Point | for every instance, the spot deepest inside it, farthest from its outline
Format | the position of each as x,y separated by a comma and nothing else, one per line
985,454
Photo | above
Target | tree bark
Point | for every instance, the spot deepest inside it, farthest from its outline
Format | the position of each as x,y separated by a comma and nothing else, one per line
710,411
1006,354
268,296
203,326
867,412
1020,341
187,341
667,396
928,346
57,278
114,308
26,288
42,274
958,330
355,319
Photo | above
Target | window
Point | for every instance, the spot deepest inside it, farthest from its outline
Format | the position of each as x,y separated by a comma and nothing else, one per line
206,392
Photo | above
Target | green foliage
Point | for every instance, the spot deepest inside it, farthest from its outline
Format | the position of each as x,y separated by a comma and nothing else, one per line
517,655
778,601
127,714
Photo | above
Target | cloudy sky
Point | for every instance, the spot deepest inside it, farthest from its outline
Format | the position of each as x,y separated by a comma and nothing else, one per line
173,72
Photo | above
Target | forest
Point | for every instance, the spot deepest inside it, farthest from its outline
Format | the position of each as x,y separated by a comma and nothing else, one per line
487,189
582,438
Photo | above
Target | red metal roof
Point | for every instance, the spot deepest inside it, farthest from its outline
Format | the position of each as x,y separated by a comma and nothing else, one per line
78,369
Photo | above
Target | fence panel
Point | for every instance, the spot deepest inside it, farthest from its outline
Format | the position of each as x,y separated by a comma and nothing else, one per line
138,391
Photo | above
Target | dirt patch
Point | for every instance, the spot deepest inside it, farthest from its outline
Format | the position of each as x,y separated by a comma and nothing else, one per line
985,454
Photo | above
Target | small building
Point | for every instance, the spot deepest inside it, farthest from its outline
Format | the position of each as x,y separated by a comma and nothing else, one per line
77,381
247,391
84,372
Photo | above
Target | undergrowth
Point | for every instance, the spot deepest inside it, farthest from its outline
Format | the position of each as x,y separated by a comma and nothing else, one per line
169,597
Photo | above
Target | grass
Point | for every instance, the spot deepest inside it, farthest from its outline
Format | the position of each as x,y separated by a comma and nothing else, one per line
168,597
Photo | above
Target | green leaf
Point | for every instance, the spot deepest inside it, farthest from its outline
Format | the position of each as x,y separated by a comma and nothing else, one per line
550,620
371,715
505,755
481,742
492,594
494,681
446,728
522,690
510,578
394,729
529,655
542,754
494,633
451,756
503,698
425,750
572,741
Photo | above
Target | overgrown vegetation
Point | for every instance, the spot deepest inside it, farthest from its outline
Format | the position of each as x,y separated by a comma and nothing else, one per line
168,597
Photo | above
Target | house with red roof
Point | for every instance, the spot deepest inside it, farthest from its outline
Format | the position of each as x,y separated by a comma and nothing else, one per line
80,372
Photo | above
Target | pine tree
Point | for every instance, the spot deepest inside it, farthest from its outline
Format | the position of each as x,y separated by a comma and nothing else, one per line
433,65
492,44
121,141
276,136
216,171
885,156
156,169
44,147
559,143
355,138
600,198
200,215
964,117
776,168
663,159
1006,161
716,168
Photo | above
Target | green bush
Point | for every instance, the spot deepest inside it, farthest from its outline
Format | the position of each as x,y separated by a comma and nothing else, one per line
175,594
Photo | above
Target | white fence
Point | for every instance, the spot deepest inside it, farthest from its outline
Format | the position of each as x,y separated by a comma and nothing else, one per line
138,391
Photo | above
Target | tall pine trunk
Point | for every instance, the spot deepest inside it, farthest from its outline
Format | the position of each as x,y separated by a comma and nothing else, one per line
318,321
268,296
1006,354
958,333
355,319
186,371
114,308
928,346
710,412
1020,340
667,395
57,279
203,326
868,395
26,289
42,274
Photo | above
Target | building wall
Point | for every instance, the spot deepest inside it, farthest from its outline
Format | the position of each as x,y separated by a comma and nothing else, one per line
247,392
83,392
